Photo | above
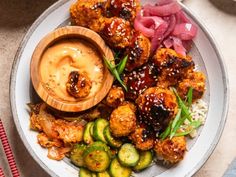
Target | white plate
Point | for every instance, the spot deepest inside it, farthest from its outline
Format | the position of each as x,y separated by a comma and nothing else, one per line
205,55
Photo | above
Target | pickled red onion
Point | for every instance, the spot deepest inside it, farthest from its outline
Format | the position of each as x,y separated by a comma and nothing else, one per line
185,31
147,25
166,24
163,10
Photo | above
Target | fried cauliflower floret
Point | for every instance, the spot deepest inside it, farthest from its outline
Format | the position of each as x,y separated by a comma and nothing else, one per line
171,150
122,121
78,85
157,106
117,32
172,67
142,139
126,9
195,80
130,104
139,80
115,97
89,13
138,52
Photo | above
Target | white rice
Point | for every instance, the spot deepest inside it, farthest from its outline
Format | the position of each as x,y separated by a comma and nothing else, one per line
198,111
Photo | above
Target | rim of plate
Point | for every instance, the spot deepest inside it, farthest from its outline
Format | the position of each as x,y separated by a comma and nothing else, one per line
61,2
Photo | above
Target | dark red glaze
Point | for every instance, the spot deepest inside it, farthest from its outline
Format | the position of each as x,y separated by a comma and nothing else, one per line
146,133
135,51
154,112
125,9
138,52
172,68
117,32
140,79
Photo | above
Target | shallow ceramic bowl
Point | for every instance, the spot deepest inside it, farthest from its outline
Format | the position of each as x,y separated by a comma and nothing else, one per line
66,33
206,56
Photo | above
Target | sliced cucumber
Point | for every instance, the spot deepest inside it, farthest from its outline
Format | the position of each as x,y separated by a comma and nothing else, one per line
111,141
117,170
88,139
76,154
144,161
86,173
98,129
99,143
96,158
106,148
103,174
91,129
128,155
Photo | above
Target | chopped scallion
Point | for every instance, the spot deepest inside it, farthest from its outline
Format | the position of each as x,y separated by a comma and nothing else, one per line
113,69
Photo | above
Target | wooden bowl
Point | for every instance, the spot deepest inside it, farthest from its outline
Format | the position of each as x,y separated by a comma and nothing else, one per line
59,102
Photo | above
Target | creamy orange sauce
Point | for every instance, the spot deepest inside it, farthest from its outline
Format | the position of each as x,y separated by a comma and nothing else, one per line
59,60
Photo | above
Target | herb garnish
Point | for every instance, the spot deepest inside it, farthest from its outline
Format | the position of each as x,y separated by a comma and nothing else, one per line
181,116
117,70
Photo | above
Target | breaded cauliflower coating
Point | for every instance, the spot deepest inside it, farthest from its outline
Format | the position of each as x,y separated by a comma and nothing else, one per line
194,80
115,97
171,150
89,14
142,139
157,106
126,9
117,32
138,52
122,121
172,66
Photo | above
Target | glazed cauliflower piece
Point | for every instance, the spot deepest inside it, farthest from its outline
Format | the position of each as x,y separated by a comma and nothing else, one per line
196,80
171,150
117,32
89,14
138,52
126,9
122,121
142,139
115,97
172,67
157,106
78,85
138,80
130,104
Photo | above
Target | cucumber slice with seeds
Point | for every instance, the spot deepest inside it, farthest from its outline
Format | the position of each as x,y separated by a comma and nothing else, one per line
111,141
91,129
76,154
144,161
98,129
117,170
106,148
128,155
86,173
88,139
96,158
103,174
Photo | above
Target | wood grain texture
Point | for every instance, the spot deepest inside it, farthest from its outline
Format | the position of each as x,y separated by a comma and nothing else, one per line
50,39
